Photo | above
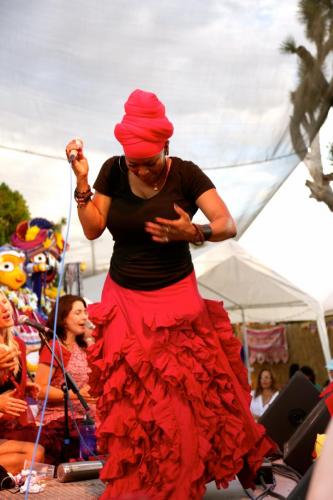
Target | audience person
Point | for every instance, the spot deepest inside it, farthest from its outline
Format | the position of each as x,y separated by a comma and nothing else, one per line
293,368
14,421
310,374
264,393
71,348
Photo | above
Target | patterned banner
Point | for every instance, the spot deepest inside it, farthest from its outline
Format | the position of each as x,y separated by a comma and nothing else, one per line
269,345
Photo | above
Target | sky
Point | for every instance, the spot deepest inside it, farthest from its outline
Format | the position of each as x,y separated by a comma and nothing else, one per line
300,247
68,67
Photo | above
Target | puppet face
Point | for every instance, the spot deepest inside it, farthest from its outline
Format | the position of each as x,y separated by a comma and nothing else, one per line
12,274
43,262
43,244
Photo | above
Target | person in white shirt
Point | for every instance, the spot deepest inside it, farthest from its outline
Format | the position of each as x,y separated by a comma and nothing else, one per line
264,394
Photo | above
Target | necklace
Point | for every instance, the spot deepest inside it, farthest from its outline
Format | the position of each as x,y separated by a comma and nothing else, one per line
160,183
156,186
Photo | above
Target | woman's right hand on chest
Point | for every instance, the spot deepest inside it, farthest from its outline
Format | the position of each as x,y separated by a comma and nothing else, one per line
79,164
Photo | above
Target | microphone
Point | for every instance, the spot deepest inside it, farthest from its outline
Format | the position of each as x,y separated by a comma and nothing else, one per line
79,471
25,320
73,152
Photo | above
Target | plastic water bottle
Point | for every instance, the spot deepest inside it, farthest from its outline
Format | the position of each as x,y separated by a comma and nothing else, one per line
87,438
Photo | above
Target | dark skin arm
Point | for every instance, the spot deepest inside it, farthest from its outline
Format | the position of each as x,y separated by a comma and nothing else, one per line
213,207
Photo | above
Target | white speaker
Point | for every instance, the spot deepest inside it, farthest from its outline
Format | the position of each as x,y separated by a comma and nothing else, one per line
78,471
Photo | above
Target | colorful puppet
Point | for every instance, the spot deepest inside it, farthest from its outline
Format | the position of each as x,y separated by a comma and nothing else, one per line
12,274
43,245
13,279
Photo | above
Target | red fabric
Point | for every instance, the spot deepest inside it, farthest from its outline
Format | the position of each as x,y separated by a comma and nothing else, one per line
19,241
327,394
144,128
19,428
173,394
45,355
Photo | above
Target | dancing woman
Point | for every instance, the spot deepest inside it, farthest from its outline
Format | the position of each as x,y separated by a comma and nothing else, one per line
173,393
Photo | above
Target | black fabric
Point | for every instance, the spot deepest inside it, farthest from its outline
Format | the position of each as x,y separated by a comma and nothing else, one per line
301,489
138,262
6,482
9,384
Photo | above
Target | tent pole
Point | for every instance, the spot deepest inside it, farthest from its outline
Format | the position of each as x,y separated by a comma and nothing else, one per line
322,332
246,347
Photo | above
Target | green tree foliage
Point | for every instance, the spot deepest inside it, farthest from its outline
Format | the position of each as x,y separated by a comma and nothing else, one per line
13,209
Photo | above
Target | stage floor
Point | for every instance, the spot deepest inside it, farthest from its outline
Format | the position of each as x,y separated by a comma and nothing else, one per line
92,489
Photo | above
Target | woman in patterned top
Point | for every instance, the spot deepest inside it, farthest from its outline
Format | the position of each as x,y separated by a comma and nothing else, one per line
71,348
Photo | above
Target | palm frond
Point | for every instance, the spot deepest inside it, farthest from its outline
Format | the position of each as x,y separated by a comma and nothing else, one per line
288,46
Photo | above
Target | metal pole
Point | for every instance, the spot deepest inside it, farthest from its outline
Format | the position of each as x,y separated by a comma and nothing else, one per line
246,348
93,257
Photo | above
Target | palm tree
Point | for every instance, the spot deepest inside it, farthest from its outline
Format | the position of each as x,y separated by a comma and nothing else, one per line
313,97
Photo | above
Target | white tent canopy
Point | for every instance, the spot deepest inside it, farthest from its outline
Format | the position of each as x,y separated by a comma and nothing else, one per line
252,292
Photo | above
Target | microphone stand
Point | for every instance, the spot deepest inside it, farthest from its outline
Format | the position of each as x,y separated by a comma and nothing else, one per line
68,385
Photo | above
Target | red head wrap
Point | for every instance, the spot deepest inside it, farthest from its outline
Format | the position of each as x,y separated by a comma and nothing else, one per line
144,128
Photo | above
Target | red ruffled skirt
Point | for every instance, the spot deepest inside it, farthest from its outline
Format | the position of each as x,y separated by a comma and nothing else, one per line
173,394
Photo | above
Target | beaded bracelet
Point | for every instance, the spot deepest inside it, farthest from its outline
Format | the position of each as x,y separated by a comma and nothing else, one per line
82,198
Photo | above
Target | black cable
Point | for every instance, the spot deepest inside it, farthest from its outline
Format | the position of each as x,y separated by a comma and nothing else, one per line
249,494
287,471
275,456
281,469
288,468
34,153
269,491
8,489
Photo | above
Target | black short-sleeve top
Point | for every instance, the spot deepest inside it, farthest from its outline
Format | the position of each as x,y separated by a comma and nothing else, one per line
137,262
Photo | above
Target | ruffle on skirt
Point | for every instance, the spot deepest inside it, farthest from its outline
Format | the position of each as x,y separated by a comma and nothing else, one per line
173,394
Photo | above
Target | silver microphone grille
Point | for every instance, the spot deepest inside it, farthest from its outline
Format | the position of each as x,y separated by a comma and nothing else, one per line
79,471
